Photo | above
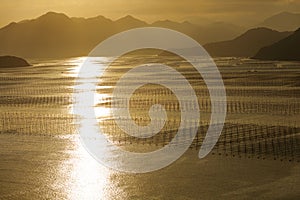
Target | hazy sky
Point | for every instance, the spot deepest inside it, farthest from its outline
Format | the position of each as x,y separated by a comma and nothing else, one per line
235,11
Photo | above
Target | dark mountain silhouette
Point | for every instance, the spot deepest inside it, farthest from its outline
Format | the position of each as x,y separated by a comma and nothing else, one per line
284,21
57,35
12,61
285,49
54,35
246,45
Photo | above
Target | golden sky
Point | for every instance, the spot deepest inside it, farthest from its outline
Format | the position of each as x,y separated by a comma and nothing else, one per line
235,11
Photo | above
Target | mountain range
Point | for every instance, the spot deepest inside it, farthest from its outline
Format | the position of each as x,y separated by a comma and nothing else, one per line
57,35
247,44
285,49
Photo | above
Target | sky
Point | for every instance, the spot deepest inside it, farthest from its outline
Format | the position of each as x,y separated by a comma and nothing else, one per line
241,12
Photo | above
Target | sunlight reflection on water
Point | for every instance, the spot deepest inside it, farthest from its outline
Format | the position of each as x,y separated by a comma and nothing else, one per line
89,179
42,156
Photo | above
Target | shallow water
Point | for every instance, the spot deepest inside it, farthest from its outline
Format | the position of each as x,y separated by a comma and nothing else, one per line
257,154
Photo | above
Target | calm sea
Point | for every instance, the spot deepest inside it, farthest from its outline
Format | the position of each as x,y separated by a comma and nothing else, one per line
257,155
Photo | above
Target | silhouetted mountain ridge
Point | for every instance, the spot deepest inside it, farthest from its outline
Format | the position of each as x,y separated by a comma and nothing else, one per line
247,44
130,22
285,49
57,35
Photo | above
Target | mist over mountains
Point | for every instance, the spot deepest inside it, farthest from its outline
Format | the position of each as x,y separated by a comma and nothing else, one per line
57,35
284,21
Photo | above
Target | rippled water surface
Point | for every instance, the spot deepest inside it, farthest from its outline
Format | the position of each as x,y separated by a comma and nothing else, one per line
257,155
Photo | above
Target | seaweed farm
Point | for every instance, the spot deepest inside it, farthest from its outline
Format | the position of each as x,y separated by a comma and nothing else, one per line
262,113
39,132
262,110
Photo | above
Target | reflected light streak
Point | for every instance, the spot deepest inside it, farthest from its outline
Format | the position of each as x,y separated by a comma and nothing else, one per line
88,178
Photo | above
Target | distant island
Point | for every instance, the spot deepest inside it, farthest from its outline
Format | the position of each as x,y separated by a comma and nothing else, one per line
13,61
